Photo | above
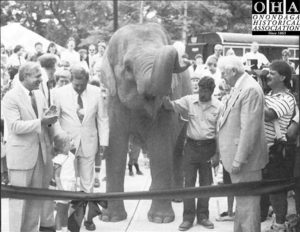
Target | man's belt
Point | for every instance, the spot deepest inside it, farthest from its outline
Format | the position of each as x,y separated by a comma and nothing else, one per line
200,142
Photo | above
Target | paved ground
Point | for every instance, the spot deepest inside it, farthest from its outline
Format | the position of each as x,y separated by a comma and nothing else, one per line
137,211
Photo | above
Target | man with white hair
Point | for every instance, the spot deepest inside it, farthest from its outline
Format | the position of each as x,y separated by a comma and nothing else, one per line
242,142
254,58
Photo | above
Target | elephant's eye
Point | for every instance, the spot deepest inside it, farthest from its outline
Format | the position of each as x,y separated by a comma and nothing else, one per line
128,67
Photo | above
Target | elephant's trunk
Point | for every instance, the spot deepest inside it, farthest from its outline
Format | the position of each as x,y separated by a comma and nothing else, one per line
166,62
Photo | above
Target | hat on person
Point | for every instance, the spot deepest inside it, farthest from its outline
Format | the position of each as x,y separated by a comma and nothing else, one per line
82,51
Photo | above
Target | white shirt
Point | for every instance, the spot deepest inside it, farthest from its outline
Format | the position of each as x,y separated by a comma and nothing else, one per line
84,64
15,60
70,56
26,92
92,60
98,63
44,87
67,173
261,58
198,72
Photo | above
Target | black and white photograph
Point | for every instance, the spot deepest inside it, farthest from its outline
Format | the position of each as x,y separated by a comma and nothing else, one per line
146,116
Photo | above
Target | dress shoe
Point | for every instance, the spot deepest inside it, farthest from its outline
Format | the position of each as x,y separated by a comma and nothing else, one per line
47,229
89,225
185,225
206,223
97,183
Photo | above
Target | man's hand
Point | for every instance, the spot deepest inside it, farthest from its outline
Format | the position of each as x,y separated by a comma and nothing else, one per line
167,103
48,120
236,167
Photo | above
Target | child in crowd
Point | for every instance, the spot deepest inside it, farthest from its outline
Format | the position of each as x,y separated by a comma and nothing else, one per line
65,177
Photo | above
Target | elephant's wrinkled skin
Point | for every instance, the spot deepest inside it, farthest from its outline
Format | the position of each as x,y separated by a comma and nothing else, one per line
137,69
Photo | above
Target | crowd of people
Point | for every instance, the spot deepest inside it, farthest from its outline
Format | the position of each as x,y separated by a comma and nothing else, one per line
55,103
253,134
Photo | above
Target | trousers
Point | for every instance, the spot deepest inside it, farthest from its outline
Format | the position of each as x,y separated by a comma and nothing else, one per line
196,160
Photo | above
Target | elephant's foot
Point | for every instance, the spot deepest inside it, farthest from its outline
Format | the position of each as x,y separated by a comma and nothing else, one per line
161,211
115,212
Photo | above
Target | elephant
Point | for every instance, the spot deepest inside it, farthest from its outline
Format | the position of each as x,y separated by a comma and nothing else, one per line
139,68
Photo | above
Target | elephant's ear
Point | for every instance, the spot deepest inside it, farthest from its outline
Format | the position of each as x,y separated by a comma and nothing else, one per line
107,76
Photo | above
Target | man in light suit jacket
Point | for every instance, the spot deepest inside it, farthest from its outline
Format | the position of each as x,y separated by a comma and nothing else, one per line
28,145
83,116
242,141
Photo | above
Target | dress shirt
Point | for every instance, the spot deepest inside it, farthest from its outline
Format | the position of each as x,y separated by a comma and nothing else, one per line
202,116
28,96
92,60
15,60
232,90
71,56
26,92
238,82
261,58
44,87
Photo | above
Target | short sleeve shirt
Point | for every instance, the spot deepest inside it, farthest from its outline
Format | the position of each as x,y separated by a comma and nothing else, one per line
202,117
67,163
283,104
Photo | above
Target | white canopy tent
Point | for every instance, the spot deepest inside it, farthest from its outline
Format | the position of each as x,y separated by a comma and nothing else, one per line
15,34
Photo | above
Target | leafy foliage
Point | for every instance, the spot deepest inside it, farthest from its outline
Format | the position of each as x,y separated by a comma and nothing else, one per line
91,21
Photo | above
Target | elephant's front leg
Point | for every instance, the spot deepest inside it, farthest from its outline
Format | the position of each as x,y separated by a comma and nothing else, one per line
116,165
161,146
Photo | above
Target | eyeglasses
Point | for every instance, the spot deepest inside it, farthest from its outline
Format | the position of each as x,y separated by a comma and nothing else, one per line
92,50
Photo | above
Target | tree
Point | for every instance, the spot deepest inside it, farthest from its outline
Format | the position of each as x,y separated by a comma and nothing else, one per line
91,21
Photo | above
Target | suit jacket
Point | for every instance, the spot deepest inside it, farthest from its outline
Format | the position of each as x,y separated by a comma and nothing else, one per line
25,132
241,128
94,128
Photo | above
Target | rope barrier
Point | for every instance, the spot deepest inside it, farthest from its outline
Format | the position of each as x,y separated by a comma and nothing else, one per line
238,189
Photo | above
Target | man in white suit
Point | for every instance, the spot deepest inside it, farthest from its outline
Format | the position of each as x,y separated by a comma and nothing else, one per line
28,145
242,141
82,114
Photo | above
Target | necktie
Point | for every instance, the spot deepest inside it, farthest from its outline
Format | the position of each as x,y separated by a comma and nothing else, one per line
33,103
80,108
